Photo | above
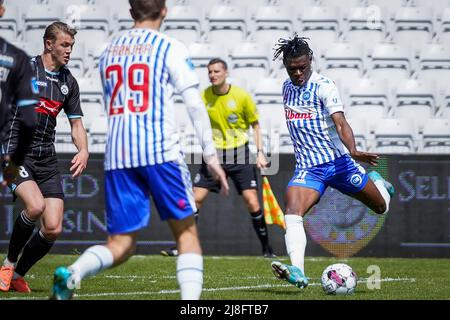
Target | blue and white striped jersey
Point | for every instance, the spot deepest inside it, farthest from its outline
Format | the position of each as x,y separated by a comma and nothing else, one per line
308,111
140,71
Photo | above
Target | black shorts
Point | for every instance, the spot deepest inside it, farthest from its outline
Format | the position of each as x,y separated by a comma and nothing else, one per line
237,165
43,171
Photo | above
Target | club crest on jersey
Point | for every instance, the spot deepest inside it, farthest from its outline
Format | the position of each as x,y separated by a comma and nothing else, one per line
306,95
356,180
293,115
64,89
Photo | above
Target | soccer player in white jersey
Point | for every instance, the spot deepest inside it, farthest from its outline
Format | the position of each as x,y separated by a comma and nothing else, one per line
325,153
140,69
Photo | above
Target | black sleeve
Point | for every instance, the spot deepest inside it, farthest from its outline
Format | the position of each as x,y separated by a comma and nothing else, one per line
25,89
72,107
25,98
28,121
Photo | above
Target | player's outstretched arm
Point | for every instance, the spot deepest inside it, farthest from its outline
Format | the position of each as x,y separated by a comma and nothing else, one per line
346,135
200,120
79,138
261,161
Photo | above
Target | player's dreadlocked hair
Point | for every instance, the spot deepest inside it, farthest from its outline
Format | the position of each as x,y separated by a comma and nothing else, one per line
292,48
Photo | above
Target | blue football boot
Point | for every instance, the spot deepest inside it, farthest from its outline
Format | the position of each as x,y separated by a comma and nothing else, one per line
375,176
291,274
61,283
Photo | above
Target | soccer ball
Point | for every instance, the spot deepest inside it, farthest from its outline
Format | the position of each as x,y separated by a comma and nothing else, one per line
339,279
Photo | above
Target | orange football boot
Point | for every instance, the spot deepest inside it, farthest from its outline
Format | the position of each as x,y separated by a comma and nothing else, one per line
6,274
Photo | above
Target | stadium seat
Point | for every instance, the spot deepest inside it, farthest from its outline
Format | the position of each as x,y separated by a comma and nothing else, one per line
389,61
436,137
121,17
184,23
97,135
438,5
201,53
38,17
361,133
249,61
414,99
72,2
77,64
444,28
10,23
272,23
434,63
413,26
269,100
342,3
365,25
91,97
343,60
93,56
91,22
394,136
31,48
205,5
444,109
320,24
24,3
294,3
366,98
227,25
63,135
391,5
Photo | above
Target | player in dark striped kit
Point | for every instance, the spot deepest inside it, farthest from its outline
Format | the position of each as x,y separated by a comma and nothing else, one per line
38,183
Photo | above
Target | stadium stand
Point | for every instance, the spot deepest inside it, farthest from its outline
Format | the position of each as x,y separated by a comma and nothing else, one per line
227,25
390,58
249,61
394,135
37,18
185,23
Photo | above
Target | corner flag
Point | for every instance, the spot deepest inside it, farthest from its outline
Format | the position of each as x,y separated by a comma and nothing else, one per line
272,211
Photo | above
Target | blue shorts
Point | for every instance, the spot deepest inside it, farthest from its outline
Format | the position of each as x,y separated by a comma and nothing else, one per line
343,174
127,195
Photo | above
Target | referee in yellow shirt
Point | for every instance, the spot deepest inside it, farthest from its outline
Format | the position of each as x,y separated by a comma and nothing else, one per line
232,111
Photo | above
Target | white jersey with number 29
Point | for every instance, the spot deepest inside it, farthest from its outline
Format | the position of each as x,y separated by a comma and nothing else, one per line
140,71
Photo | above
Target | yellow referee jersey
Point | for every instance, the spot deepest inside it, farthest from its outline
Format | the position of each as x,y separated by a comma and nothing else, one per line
231,115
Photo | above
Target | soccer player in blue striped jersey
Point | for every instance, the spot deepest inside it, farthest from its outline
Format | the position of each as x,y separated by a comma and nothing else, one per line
325,153
140,71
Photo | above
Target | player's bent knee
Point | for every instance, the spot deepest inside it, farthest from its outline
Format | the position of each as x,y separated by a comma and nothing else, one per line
35,210
52,233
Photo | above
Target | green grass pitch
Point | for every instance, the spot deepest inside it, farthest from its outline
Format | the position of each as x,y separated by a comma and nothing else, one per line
152,277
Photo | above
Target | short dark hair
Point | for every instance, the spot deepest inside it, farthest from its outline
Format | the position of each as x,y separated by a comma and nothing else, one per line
218,60
52,30
293,48
146,9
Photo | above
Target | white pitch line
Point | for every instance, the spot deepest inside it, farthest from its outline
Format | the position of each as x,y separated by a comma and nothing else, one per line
262,286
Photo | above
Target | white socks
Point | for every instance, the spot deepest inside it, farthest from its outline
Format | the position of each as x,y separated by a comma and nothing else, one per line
384,193
190,275
295,239
91,262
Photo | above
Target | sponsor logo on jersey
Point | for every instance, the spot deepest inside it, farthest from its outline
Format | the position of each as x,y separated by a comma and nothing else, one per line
41,83
6,61
51,79
35,86
253,183
293,115
49,107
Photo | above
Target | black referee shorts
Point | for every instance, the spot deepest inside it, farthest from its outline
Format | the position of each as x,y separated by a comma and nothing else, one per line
237,165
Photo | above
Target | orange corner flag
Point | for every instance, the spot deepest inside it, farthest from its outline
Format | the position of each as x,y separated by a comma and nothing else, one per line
272,211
